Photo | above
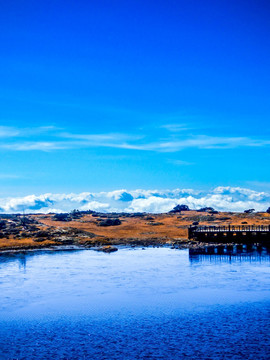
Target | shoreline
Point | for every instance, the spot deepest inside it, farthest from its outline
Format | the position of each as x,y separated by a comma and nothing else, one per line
116,247
19,233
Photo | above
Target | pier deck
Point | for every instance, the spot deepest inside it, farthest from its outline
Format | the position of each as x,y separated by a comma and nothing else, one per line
231,233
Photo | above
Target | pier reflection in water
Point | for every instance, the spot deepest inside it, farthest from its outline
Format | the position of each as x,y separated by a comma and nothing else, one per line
21,258
230,253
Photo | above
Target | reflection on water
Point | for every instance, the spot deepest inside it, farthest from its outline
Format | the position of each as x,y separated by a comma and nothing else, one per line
21,257
230,253
135,304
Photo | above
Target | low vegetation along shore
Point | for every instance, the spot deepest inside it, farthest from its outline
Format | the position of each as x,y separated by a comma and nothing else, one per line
107,231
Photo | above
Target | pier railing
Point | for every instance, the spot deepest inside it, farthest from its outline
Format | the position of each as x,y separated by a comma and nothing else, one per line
233,228
231,233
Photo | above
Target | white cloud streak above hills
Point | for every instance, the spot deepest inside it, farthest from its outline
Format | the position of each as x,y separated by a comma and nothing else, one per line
153,201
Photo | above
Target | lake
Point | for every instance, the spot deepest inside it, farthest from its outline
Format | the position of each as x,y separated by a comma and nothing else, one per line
157,303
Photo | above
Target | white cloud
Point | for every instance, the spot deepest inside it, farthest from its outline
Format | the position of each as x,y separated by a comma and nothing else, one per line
9,176
101,137
207,142
152,204
155,201
175,127
95,206
11,131
28,203
8,131
37,145
48,138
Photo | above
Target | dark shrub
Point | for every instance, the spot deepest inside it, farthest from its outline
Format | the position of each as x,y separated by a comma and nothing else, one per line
249,211
139,215
179,208
42,234
2,224
14,231
24,234
61,217
206,209
76,214
110,222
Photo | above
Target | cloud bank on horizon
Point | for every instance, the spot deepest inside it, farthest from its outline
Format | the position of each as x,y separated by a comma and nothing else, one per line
152,201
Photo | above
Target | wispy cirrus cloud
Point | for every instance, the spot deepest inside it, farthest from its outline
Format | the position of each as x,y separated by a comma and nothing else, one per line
208,142
8,132
175,128
50,138
16,132
102,137
9,176
35,145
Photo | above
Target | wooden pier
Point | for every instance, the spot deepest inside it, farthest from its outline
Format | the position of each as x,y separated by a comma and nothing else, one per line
231,234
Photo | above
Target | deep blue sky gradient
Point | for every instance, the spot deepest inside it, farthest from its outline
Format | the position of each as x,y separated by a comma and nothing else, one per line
145,73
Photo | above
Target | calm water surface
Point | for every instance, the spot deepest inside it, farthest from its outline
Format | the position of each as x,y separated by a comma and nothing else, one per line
157,303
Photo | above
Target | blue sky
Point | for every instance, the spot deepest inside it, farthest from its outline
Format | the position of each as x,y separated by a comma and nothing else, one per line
103,95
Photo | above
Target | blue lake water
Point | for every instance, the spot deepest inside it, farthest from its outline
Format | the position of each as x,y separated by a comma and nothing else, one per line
157,303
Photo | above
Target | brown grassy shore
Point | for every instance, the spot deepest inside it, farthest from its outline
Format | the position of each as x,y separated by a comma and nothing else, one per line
42,231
